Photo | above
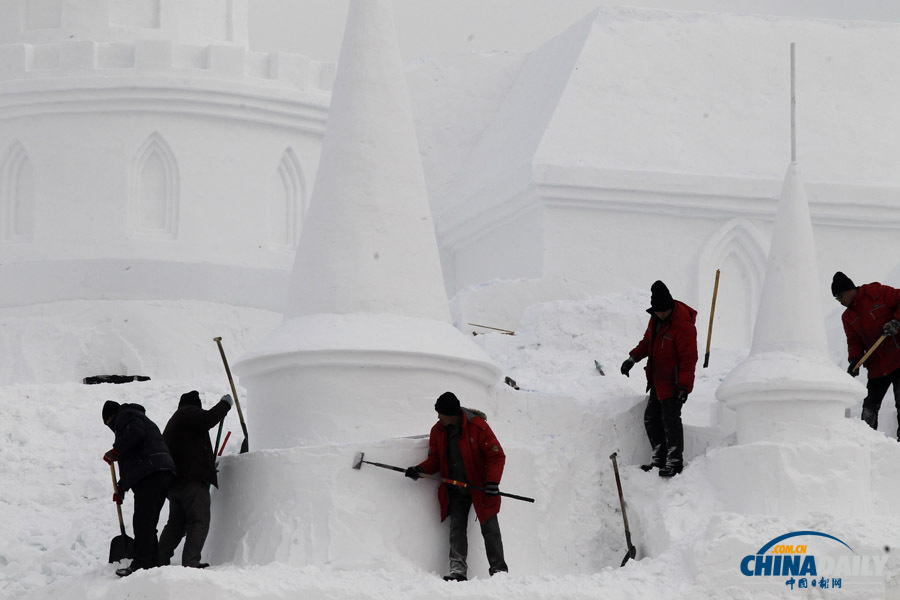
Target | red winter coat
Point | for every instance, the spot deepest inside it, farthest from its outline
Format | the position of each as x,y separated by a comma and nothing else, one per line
875,304
671,351
482,455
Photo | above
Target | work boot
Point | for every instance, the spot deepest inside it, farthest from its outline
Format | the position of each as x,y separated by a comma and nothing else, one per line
669,472
455,577
125,571
650,467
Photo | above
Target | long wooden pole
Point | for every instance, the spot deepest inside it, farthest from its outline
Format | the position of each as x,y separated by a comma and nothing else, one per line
504,331
793,107
237,404
712,313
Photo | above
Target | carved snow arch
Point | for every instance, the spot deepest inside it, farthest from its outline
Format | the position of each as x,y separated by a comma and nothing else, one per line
17,195
155,184
287,202
740,251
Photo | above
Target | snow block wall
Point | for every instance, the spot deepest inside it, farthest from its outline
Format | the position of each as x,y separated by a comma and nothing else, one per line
307,506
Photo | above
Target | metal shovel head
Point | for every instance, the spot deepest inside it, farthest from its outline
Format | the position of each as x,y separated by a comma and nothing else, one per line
358,460
632,552
120,548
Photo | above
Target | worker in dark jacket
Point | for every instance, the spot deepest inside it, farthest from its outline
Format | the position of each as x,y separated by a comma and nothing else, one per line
187,435
872,310
146,467
462,447
670,347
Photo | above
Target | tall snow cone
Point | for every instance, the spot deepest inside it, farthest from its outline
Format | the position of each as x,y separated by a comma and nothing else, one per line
788,378
366,344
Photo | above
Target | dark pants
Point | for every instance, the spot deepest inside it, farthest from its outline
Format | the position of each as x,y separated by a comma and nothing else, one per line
662,420
460,503
877,388
149,497
189,511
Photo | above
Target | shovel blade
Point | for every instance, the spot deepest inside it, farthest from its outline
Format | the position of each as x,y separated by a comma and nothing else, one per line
632,552
120,548
244,447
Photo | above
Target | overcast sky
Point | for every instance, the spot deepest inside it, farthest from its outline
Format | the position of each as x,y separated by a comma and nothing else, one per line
428,27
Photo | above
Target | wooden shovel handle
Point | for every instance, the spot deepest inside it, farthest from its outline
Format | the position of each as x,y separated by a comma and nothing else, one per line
234,395
112,471
870,351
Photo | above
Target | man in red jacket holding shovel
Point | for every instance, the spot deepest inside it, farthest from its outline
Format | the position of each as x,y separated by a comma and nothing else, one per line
872,310
670,347
462,447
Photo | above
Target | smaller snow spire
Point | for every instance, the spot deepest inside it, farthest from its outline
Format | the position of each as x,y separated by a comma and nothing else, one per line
788,379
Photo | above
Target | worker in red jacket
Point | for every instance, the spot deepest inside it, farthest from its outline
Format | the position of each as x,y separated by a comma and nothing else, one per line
872,310
670,347
462,447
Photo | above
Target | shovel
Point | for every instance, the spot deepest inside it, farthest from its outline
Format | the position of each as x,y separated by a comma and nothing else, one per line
244,445
632,551
358,463
121,546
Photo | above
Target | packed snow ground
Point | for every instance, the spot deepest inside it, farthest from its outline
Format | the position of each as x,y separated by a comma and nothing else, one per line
58,518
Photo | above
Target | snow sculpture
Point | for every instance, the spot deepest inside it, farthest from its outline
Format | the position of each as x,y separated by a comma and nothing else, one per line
788,378
137,153
366,344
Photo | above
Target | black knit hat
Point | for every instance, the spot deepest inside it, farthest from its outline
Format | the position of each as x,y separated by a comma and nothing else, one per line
840,283
660,298
192,398
110,408
447,404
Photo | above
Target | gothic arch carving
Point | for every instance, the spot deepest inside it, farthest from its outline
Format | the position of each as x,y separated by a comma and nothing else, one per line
17,195
740,251
155,184
287,202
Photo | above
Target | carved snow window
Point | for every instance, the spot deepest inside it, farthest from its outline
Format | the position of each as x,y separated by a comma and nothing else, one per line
287,203
154,190
17,196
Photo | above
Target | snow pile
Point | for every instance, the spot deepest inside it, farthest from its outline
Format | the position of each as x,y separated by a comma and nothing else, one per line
382,530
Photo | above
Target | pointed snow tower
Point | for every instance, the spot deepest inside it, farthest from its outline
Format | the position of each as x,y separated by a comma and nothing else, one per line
366,344
788,378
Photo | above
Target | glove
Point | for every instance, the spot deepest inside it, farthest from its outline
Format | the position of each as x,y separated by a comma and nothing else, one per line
626,366
111,456
892,327
119,497
491,489
852,370
414,472
681,395
227,398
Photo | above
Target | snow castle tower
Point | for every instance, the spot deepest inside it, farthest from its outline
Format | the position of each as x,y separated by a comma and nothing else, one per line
153,180
788,379
366,344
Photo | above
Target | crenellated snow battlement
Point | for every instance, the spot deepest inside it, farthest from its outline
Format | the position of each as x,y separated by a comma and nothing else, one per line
229,62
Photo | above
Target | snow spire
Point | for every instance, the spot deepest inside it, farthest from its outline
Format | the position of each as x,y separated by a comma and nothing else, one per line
369,243
366,344
788,377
